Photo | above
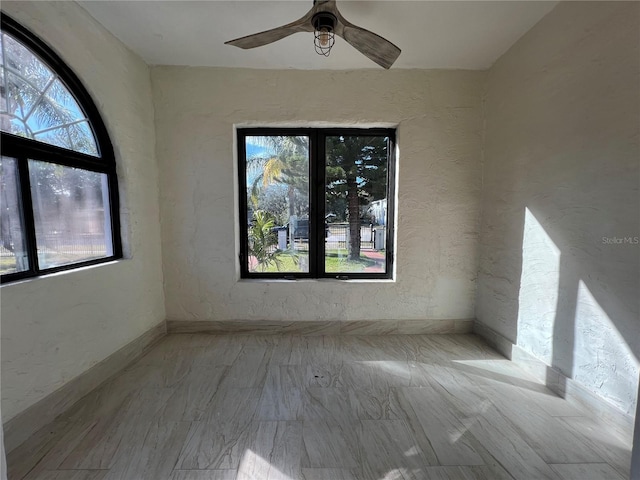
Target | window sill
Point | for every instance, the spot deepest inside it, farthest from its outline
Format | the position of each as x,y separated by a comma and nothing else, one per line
69,271
316,280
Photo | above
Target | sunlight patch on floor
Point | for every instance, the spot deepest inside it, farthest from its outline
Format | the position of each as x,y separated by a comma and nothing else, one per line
254,467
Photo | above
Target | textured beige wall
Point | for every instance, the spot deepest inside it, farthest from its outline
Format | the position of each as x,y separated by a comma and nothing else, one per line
559,264
55,328
439,136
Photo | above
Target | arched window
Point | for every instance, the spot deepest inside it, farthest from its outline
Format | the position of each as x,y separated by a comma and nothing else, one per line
58,184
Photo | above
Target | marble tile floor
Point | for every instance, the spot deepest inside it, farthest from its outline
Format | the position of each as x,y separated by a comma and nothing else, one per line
251,407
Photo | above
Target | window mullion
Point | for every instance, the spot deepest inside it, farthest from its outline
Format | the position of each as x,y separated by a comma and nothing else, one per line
39,100
27,214
319,200
391,191
313,216
114,217
244,220
15,146
45,130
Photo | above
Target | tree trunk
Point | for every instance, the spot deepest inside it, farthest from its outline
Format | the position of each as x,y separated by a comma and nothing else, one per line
291,192
292,211
354,219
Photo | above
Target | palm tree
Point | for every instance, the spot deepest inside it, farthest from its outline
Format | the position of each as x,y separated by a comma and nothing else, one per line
262,239
285,161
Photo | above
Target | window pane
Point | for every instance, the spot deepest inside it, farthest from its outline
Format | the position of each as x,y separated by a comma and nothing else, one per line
82,138
19,59
356,204
71,210
277,177
3,95
36,104
22,96
13,252
58,137
14,125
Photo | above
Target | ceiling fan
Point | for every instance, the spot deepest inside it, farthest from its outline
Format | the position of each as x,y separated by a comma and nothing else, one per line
325,21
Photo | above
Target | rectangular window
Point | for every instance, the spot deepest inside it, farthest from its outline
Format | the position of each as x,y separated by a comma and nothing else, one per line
316,203
52,217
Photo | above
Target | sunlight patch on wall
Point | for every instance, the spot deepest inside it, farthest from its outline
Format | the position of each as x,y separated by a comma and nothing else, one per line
602,359
538,298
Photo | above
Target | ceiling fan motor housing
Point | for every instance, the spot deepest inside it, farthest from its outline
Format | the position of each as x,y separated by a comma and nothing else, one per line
324,20
324,28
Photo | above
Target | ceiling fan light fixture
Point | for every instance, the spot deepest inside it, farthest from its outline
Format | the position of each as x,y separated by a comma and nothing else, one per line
323,33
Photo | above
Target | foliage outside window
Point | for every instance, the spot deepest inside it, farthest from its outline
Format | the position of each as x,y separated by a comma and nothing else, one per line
58,186
316,203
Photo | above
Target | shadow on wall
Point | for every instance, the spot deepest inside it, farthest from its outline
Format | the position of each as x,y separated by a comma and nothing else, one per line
577,303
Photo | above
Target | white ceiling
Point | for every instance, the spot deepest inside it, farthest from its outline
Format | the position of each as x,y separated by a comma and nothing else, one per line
431,34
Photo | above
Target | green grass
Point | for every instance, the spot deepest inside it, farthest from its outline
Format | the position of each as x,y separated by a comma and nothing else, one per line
288,264
7,264
335,262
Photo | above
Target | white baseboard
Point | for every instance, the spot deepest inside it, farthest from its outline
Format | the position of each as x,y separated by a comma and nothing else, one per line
557,382
29,421
323,327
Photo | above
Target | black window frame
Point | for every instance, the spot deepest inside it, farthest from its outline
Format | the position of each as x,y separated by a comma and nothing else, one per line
317,144
24,149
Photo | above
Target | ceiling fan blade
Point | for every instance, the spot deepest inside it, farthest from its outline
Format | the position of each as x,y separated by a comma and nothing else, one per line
378,49
273,35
